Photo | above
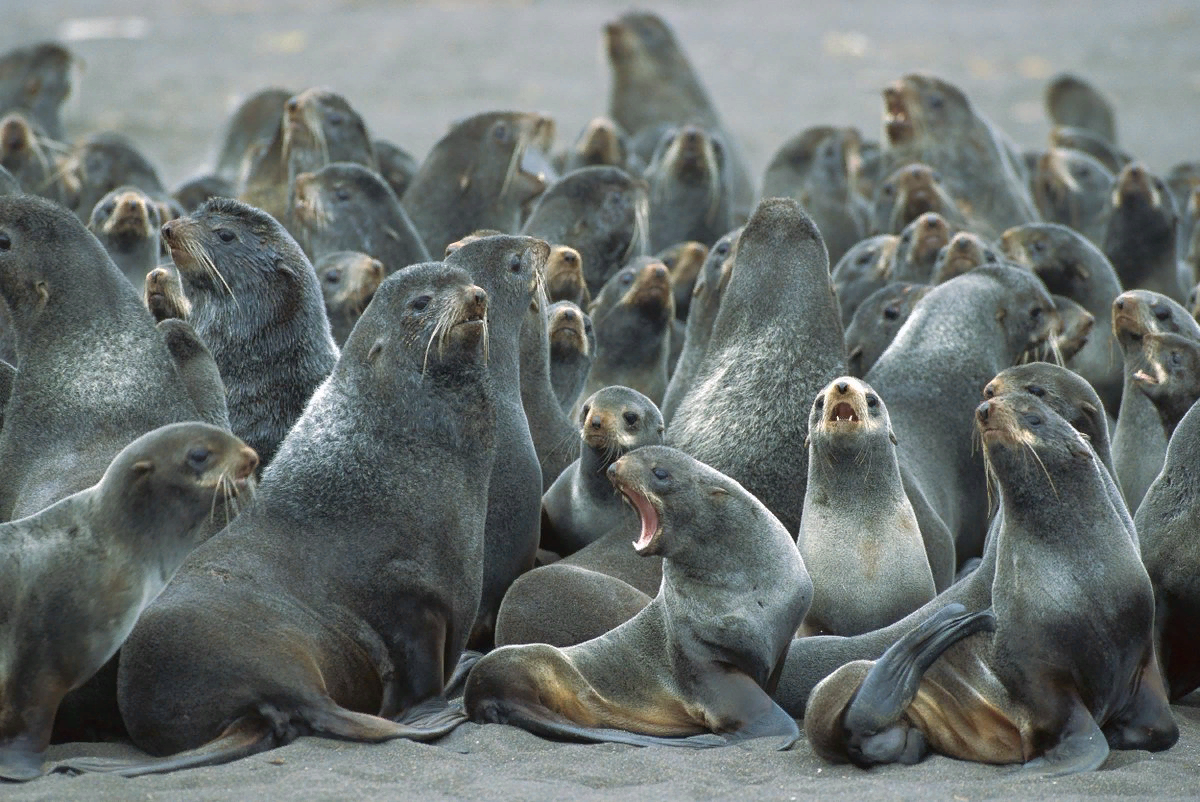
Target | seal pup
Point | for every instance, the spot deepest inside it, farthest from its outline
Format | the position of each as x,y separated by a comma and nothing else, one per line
1071,100
702,311
706,659
257,306
861,271
349,207
908,193
876,322
1057,684
480,175
1139,441
37,80
396,165
150,508
510,269
94,375
572,351
349,280
964,252
653,84
564,277
1166,520
601,212
580,506
249,131
818,168
1170,377
1072,188
266,634
920,243
127,223
1140,237
101,163
859,536
1072,266
632,317
689,196
684,260
930,121
601,142
775,342
960,335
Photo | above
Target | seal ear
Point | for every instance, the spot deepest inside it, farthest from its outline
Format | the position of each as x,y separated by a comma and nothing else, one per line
376,350
43,292
1001,313
718,492
143,467
892,437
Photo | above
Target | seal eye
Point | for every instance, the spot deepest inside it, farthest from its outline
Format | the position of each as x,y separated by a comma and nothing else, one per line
198,457
660,474
872,401
1176,359
626,278
631,418
420,303
1036,312
225,234
722,248
1162,313
5,242
108,208
514,263
891,313
1033,389
1037,246
335,119
333,276
1083,172
1033,420
888,190
936,101
342,194
820,402
500,132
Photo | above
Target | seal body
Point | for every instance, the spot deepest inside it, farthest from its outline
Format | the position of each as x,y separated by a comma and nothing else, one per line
705,653
876,322
127,221
689,198
572,351
257,306
775,342
859,535
81,571
1140,237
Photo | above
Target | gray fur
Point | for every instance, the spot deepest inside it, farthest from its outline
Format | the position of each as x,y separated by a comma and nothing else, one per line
572,351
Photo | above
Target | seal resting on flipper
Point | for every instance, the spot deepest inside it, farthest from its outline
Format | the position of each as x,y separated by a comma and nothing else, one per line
695,667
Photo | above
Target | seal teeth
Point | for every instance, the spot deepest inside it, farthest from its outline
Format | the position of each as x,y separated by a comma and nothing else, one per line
843,412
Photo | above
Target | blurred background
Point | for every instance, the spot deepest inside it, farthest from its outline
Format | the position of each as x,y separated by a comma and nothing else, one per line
168,74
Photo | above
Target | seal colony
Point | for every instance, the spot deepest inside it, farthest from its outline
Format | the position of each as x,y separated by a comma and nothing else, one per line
607,435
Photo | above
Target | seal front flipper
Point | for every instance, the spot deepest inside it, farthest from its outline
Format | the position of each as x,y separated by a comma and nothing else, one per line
466,661
1081,748
1146,722
871,721
436,716
197,370
20,759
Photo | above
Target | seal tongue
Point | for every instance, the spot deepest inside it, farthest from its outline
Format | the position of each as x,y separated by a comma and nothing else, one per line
649,517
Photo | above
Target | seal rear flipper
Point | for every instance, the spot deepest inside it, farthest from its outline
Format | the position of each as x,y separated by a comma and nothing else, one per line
466,661
426,721
546,723
247,736
872,717
435,716
1081,748
735,697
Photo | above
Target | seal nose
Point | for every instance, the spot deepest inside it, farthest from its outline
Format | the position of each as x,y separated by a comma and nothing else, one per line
1119,303
249,463
13,135
983,410
292,106
479,297
570,314
990,390
168,229
132,204
842,387
570,257
595,422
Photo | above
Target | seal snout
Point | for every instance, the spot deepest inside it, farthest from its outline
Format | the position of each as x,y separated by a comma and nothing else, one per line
474,306
15,133
1134,183
896,118
648,507
247,462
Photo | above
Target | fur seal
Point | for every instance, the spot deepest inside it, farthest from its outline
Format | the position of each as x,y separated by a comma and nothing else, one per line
859,535
1166,520
1139,441
94,375
684,260
1056,685
197,370
396,165
317,127
775,342
702,311
689,199
1072,188
653,84
908,193
601,142
818,168
572,351
632,317
601,212
562,604
480,175
964,252
257,305
25,152
132,529
37,80
1140,237
935,368
348,282
930,121
1171,376
127,223
553,431
1188,242
1071,266
876,322
163,295
101,163
1072,332
191,194
707,655
348,207
863,270
920,243
249,132
1084,141
564,277
509,268
580,506
1071,100
265,633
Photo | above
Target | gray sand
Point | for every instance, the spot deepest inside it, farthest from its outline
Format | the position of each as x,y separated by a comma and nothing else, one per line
773,69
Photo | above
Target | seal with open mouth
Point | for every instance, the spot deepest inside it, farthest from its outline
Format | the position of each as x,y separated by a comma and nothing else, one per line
859,536
695,667
81,571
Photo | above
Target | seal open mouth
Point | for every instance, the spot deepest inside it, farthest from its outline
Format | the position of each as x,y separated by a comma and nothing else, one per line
650,518
843,412
897,123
